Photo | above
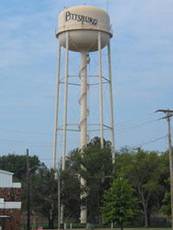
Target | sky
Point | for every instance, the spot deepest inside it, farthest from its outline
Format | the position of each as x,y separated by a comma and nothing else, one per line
142,61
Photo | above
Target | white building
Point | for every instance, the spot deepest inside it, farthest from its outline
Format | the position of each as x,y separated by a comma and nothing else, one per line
6,182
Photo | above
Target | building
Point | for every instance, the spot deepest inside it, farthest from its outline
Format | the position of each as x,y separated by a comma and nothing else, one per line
10,202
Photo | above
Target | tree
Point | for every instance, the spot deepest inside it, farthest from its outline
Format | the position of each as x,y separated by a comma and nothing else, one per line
70,194
166,207
94,165
17,164
119,203
44,197
166,202
145,171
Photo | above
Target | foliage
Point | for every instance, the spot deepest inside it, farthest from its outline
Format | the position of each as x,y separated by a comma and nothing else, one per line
166,202
70,195
119,202
17,164
166,208
44,198
145,171
94,165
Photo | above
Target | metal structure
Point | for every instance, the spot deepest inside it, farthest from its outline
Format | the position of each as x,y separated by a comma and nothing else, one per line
82,29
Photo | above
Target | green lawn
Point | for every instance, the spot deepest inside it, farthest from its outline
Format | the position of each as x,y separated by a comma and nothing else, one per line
132,229
137,229
143,229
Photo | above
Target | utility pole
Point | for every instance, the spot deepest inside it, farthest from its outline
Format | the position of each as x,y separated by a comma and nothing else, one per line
169,114
28,190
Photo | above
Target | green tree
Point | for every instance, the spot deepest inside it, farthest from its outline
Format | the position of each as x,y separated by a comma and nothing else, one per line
17,164
166,202
146,172
44,197
94,165
70,194
166,207
119,203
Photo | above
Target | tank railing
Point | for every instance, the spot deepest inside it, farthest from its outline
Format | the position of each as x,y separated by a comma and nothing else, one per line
84,25
77,26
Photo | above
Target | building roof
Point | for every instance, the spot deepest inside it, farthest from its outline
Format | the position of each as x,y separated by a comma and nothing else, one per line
6,172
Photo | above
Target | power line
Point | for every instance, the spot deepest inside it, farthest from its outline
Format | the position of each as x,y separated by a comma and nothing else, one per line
26,142
147,115
138,125
153,141
25,132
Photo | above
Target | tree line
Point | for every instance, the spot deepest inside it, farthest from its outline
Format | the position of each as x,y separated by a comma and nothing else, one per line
129,191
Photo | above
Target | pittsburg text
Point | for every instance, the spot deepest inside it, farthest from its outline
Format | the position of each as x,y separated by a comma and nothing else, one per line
80,18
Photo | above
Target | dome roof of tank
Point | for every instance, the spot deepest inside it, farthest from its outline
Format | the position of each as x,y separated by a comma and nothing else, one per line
83,23
89,7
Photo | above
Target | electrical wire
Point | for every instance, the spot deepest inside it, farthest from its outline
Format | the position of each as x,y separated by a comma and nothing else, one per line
26,142
128,128
152,141
24,132
132,121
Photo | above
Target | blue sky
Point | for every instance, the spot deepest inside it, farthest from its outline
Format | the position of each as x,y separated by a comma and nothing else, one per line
142,60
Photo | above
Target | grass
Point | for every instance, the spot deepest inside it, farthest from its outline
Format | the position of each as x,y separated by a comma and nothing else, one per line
141,229
133,229
136,229
128,229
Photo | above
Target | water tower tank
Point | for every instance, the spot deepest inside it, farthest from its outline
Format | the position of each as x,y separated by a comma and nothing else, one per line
83,24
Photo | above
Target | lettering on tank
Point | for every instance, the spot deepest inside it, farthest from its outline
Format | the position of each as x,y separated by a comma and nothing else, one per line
80,18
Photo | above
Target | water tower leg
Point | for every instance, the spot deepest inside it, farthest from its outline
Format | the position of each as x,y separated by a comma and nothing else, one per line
100,91
111,103
65,113
54,156
65,101
83,123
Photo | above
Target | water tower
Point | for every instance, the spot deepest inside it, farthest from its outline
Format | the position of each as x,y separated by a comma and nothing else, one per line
82,29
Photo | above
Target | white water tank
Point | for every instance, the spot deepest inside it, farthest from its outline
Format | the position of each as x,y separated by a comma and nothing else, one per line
83,24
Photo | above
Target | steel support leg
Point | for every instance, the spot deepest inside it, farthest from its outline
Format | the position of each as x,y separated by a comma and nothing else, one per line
111,103
54,155
100,91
